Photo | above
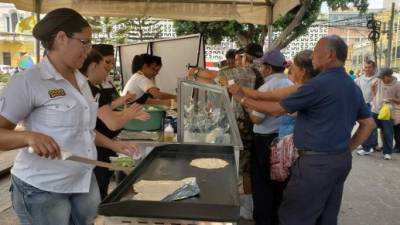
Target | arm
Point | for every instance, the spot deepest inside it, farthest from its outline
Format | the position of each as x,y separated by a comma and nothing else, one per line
152,101
278,94
116,146
275,95
395,100
116,120
42,144
129,97
272,108
201,73
374,87
362,133
156,93
255,119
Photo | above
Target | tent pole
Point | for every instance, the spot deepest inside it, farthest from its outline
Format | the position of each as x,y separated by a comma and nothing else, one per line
38,7
270,19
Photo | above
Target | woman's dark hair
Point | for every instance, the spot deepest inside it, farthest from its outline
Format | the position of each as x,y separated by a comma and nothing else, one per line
303,60
104,49
93,56
139,60
62,19
157,60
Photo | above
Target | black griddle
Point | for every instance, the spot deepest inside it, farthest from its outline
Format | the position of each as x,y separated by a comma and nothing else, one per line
218,200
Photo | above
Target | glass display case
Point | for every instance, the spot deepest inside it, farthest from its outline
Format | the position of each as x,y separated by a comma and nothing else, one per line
205,115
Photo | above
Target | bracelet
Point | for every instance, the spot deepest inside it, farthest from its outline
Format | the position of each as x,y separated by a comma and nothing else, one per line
242,100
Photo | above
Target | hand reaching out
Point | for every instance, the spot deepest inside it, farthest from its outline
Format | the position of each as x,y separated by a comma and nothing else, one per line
129,97
236,91
135,111
126,148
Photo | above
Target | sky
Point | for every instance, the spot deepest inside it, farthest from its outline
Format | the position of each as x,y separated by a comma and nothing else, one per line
373,4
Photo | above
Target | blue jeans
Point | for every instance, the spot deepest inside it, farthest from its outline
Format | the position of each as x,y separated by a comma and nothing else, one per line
387,129
37,207
372,140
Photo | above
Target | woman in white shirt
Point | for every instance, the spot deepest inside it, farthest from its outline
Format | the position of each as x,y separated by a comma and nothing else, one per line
145,68
56,107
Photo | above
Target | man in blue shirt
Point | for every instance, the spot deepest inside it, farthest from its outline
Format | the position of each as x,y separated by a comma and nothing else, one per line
328,107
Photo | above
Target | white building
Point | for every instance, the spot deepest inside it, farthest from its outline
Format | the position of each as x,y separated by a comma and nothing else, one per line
306,41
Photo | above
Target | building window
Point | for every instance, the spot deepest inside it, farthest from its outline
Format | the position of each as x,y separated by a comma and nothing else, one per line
14,21
8,27
7,58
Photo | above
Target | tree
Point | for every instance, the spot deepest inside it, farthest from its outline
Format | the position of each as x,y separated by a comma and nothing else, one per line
291,26
215,32
143,28
109,30
296,22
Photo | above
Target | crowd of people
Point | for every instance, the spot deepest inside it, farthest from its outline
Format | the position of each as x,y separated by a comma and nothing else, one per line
300,139
65,103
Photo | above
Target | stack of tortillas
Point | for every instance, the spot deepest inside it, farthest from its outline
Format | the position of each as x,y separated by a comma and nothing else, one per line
157,190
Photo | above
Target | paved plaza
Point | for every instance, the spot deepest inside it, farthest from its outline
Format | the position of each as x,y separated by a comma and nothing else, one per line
371,195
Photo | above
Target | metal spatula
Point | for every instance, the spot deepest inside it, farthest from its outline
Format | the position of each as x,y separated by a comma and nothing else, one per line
65,155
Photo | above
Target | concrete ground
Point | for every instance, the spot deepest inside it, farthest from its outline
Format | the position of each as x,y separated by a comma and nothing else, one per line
371,195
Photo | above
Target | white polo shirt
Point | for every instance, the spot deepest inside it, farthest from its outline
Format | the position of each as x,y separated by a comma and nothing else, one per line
49,104
138,84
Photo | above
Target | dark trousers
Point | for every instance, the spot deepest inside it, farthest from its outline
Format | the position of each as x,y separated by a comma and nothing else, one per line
387,129
267,194
313,194
103,175
396,130
372,140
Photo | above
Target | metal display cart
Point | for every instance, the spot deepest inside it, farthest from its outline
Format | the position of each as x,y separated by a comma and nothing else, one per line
206,129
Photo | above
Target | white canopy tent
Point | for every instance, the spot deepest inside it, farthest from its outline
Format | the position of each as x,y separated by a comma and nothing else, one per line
244,11
263,12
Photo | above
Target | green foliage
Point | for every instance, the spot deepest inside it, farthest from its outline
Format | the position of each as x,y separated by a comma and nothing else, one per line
215,32
108,30
143,28
4,78
309,18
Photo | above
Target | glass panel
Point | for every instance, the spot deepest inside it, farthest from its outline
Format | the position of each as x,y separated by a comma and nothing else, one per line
206,115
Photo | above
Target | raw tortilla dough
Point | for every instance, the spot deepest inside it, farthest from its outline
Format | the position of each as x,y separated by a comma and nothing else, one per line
157,190
209,163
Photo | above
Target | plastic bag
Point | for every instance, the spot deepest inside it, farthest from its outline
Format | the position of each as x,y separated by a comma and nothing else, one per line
385,112
283,156
189,189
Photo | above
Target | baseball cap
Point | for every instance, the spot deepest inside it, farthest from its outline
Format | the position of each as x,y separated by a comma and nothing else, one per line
274,58
385,72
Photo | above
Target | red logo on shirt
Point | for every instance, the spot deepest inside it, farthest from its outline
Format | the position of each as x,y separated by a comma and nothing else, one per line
56,92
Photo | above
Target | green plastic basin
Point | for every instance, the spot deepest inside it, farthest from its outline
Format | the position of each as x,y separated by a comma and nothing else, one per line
157,115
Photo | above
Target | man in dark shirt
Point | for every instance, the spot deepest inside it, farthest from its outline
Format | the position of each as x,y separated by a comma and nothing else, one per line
328,107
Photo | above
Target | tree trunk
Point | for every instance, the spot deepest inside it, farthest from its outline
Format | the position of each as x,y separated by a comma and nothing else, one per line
287,34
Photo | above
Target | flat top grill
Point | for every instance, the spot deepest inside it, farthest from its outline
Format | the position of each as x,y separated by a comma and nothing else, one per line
218,199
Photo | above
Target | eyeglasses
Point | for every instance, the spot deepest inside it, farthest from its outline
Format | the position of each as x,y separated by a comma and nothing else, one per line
86,43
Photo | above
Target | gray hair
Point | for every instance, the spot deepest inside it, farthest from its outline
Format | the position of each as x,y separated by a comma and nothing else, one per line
337,44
